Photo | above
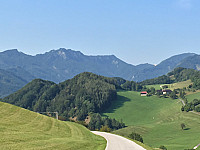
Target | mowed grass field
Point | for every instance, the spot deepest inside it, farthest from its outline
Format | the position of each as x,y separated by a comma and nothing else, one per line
172,86
22,129
191,97
156,119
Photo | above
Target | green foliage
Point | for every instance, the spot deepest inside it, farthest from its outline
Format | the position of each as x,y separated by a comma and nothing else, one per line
97,122
173,95
77,97
163,147
183,126
136,137
105,129
194,105
159,80
132,86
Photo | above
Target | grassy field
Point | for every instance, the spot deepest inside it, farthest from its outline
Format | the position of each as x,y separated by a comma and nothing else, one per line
172,86
193,96
156,119
23,129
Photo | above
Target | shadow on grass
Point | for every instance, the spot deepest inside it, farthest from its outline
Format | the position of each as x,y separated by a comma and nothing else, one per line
187,129
116,104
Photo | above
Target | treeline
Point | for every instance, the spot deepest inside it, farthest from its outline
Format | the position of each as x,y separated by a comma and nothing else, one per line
177,75
192,106
159,80
76,98
104,124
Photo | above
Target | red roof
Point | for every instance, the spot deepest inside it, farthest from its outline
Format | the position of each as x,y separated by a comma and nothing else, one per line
143,92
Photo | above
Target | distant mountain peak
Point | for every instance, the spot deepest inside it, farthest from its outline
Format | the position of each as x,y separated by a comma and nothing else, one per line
62,54
11,51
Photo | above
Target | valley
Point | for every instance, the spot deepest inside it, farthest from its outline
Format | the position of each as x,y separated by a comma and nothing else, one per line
110,104
158,120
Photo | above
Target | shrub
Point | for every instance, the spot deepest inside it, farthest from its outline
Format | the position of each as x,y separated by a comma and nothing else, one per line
163,147
105,129
136,137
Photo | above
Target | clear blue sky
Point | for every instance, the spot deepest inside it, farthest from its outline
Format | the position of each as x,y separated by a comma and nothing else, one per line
136,31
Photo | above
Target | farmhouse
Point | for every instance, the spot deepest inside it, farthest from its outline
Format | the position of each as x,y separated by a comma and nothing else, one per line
143,93
167,91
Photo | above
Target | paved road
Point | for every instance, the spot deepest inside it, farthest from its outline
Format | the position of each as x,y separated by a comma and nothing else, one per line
116,142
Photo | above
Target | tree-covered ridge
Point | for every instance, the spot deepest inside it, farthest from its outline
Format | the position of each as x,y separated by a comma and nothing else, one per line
177,75
76,97
159,80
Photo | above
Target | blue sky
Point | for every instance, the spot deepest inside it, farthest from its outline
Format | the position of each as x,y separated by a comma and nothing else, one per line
136,31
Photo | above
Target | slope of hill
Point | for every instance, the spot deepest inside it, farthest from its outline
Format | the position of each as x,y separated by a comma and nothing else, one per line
23,129
172,86
76,97
158,120
177,75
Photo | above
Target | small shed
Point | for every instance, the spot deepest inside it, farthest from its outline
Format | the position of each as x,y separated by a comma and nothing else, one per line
143,93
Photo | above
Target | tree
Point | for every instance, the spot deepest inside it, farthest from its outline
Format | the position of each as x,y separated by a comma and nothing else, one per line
164,95
173,94
163,147
105,129
182,126
136,137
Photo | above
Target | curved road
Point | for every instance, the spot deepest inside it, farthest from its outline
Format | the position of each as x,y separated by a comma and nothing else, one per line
116,142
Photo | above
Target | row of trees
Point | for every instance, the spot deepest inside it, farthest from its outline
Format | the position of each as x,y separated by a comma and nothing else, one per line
104,124
194,105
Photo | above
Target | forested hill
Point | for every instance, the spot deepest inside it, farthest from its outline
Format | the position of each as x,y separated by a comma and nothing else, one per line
177,75
76,97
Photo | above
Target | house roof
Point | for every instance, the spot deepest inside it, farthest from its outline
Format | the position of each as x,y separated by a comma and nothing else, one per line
168,90
143,92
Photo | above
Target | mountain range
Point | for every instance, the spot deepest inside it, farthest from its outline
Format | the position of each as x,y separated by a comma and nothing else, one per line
59,65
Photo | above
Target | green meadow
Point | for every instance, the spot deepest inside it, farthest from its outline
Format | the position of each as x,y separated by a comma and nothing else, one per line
156,119
191,97
22,129
173,85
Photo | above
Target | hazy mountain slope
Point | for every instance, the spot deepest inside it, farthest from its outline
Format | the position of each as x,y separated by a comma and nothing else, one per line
59,65
163,68
10,83
64,64
192,62
18,71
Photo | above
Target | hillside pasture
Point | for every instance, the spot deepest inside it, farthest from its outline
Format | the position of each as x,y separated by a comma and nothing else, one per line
21,129
172,86
191,97
156,119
